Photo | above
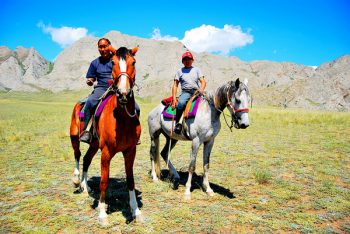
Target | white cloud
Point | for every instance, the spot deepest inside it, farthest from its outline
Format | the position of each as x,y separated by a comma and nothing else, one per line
313,67
64,36
157,36
211,39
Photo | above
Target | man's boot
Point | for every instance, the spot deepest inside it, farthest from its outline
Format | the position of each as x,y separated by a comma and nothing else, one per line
86,136
178,126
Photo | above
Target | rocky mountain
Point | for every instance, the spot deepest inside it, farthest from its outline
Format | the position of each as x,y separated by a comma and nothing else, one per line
272,83
21,69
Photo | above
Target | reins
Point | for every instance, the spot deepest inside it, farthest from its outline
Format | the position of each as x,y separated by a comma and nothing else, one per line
127,112
222,111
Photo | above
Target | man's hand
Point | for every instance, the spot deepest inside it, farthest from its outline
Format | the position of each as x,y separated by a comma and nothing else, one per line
174,103
90,81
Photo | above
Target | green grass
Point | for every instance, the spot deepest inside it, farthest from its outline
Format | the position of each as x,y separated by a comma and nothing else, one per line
288,172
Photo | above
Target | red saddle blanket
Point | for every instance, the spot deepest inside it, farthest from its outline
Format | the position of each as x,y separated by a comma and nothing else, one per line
167,101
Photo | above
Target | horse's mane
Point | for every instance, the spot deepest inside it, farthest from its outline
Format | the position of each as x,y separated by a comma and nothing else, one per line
122,52
219,97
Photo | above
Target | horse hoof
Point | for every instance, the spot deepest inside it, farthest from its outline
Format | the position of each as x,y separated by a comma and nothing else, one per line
187,197
76,182
211,193
155,179
85,193
139,219
176,183
102,219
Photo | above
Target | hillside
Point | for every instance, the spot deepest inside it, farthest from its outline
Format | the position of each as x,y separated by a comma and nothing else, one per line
21,69
272,83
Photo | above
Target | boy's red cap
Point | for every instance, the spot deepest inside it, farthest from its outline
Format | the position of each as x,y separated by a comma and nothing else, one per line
187,54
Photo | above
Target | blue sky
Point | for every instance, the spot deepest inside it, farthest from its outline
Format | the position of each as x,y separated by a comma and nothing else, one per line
301,31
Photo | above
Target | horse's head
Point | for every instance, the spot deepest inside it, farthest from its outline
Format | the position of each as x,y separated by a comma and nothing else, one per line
239,104
124,73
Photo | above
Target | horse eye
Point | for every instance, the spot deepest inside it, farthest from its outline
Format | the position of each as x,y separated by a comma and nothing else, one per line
134,63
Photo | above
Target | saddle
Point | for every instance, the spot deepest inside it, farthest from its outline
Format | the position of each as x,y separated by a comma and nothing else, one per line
94,119
99,108
190,110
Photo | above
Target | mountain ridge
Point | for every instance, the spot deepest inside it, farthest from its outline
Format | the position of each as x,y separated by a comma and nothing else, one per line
272,83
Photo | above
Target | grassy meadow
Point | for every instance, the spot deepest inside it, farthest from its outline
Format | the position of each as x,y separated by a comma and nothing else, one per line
289,172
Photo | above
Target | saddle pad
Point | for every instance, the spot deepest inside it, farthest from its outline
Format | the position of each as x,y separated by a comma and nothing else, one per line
170,113
167,101
99,108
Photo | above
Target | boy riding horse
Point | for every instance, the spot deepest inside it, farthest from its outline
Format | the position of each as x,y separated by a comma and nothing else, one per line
189,77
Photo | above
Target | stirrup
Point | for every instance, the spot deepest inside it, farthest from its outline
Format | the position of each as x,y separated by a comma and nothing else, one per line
178,128
86,137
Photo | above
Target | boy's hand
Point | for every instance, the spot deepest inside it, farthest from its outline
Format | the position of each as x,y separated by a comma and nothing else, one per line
174,103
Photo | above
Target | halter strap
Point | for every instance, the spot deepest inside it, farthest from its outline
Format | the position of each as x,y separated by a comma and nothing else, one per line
229,104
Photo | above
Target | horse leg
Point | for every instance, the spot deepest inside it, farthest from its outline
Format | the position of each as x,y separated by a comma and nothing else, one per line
86,164
129,158
105,162
192,167
206,157
75,144
172,170
154,153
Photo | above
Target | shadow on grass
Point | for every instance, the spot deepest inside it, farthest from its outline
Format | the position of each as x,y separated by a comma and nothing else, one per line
117,196
197,181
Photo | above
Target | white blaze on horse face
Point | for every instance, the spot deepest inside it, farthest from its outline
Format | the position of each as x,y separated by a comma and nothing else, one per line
122,84
244,104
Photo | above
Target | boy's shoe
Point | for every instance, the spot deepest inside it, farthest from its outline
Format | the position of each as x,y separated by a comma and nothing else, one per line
178,128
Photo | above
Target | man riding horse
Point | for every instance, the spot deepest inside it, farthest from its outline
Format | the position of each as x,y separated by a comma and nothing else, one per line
100,70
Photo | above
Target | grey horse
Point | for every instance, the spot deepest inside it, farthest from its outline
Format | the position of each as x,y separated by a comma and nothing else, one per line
202,129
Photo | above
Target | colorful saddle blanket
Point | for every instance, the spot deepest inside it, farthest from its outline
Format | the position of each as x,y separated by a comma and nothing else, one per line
99,108
170,113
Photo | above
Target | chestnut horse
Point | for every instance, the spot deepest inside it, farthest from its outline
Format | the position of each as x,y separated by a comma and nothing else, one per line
118,130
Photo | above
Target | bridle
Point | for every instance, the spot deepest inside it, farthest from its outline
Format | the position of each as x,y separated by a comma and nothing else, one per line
234,110
129,91
127,76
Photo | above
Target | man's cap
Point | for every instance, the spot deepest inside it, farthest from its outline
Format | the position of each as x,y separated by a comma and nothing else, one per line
187,54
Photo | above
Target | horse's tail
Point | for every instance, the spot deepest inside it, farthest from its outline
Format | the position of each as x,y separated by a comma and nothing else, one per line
154,132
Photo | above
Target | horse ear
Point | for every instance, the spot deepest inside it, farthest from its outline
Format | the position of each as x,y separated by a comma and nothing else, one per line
245,81
134,50
112,49
237,83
